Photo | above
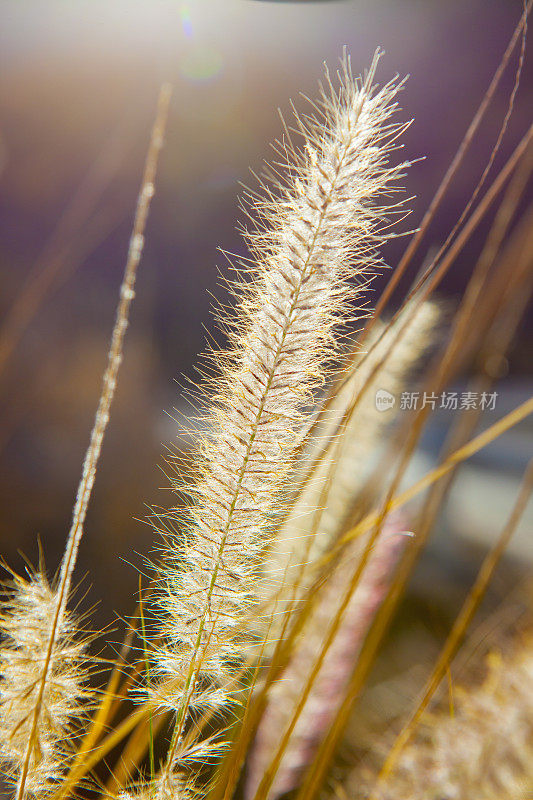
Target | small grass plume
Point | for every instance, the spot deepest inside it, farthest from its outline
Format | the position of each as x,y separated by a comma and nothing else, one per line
25,631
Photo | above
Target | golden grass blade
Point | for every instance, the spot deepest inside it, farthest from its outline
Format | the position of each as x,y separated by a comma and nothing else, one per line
138,717
316,773
447,467
462,454
103,715
134,752
498,337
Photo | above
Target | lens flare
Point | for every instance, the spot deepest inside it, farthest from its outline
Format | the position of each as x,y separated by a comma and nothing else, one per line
186,22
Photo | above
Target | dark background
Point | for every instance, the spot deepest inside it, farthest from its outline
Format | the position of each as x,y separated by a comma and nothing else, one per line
78,87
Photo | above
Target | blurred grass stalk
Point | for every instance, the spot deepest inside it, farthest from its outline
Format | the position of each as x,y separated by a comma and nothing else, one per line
41,691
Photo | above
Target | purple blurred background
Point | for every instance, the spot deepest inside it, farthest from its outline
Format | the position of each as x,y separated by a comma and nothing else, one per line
78,88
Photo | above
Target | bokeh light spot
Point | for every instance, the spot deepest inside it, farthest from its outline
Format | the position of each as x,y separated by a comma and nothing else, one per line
201,64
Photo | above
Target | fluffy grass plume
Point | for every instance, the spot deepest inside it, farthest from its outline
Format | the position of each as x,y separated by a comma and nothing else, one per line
25,630
314,241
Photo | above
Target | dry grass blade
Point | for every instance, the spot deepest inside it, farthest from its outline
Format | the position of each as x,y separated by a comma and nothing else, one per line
316,773
520,31
108,703
457,457
446,468
496,335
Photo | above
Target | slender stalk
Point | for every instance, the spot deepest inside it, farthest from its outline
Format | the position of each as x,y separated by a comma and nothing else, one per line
102,417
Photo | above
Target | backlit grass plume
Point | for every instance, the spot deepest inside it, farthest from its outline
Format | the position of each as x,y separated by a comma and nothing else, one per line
25,627
314,240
